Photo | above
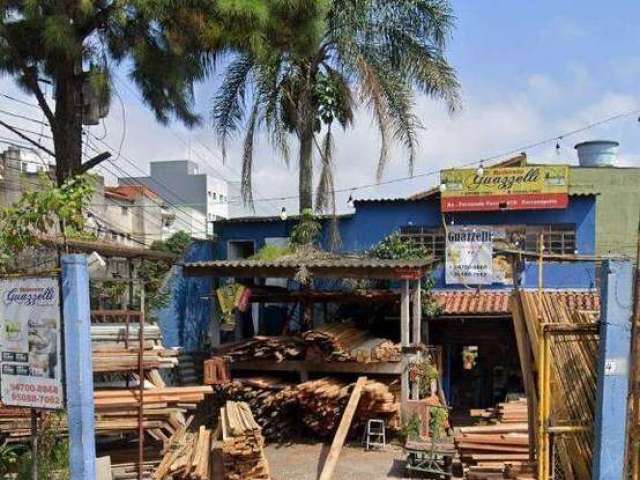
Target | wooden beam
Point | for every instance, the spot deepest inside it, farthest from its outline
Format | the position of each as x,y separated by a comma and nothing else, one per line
377,368
343,429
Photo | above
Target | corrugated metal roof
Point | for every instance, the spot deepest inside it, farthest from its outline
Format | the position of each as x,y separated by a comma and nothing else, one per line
335,267
275,218
467,302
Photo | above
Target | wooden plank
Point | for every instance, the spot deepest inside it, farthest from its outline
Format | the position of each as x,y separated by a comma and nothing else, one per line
378,368
343,429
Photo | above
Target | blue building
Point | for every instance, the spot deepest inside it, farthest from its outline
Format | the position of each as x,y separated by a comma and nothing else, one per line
530,250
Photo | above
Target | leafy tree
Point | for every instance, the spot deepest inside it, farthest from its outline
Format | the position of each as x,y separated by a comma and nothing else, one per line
75,44
375,53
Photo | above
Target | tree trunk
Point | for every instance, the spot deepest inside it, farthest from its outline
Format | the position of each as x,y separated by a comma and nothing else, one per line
67,132
305,183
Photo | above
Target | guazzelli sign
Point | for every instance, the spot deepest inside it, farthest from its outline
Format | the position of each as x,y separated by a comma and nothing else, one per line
534,187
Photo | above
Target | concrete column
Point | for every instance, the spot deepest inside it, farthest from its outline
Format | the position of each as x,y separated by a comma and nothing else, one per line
613,370
78,366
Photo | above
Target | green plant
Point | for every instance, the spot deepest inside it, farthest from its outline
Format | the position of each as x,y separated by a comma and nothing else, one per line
8,458
410,429
53,451
307,231
438,417
271,252
336,57
39,212
395,247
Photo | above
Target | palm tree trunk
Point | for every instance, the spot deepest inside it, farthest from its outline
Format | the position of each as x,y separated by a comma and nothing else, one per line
305,182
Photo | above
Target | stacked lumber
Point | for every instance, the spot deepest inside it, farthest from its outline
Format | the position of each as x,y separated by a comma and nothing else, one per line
242,444
189,371
265,348
126,359
188,455
322,403
344,342
272,402
499,446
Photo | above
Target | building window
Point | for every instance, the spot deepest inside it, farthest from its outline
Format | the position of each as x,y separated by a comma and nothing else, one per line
124,210
558,239
432,239
214,195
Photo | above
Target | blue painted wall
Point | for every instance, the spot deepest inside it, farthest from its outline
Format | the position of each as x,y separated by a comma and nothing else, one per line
185,321
374,220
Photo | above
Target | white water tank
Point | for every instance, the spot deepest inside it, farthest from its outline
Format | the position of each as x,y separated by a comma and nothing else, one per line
597,153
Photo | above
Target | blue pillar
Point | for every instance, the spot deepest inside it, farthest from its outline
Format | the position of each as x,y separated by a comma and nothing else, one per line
613,370
79,369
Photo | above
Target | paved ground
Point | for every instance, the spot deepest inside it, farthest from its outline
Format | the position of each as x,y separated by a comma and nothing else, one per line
303,461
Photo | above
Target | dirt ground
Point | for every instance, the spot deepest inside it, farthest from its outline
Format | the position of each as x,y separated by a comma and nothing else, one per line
303,461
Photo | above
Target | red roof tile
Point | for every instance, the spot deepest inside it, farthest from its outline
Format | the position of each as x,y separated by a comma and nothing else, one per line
486,302
471,302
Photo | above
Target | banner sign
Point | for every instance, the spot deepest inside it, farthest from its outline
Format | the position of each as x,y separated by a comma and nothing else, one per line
30,343
469,255
510,188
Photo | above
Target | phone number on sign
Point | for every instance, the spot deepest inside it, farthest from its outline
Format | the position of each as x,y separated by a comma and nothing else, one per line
27,387
34,398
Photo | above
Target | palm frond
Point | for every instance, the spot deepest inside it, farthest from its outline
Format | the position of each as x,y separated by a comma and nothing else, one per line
229,103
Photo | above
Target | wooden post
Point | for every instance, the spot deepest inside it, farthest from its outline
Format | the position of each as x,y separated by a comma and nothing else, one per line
540,260
404,335
34,444
416,300
343,429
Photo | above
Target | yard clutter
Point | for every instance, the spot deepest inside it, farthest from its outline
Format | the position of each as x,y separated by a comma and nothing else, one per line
341,342
499,446
242,444
322,403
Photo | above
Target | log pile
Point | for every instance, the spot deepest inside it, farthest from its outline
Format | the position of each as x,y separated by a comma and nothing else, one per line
344,342
265,348
242,444
499,447
323,401
274,404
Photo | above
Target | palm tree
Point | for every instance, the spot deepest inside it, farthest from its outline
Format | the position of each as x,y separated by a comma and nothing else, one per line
376,53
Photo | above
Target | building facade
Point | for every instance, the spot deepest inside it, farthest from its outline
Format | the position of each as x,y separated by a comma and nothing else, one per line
196,199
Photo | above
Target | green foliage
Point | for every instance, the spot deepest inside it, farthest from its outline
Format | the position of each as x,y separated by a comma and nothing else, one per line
410,429
271,252
42,211
307,231
394,247
318,61
154,272
53,451
8,458
431,308
438,417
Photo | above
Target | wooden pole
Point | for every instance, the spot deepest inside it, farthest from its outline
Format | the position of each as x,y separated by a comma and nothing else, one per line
540,260
141,386
341,434
34,444
404,336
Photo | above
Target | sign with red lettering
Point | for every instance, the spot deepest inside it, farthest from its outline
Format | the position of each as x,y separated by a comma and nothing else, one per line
535,187
30,343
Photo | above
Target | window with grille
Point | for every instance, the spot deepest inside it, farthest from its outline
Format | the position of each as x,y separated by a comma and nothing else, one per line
432,239
558,239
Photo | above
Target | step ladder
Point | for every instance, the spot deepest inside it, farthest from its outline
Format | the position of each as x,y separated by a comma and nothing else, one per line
374,435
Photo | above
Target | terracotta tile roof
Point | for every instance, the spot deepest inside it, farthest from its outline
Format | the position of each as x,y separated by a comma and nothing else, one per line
131,192
471,302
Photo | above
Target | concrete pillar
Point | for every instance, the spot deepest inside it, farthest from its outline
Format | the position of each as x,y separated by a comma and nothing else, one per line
416,313
78,366
613,369
404,336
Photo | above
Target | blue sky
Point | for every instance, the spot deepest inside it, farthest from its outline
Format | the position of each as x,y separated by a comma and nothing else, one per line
529,70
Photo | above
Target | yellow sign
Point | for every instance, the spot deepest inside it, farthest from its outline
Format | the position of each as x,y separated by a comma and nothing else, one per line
508,188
